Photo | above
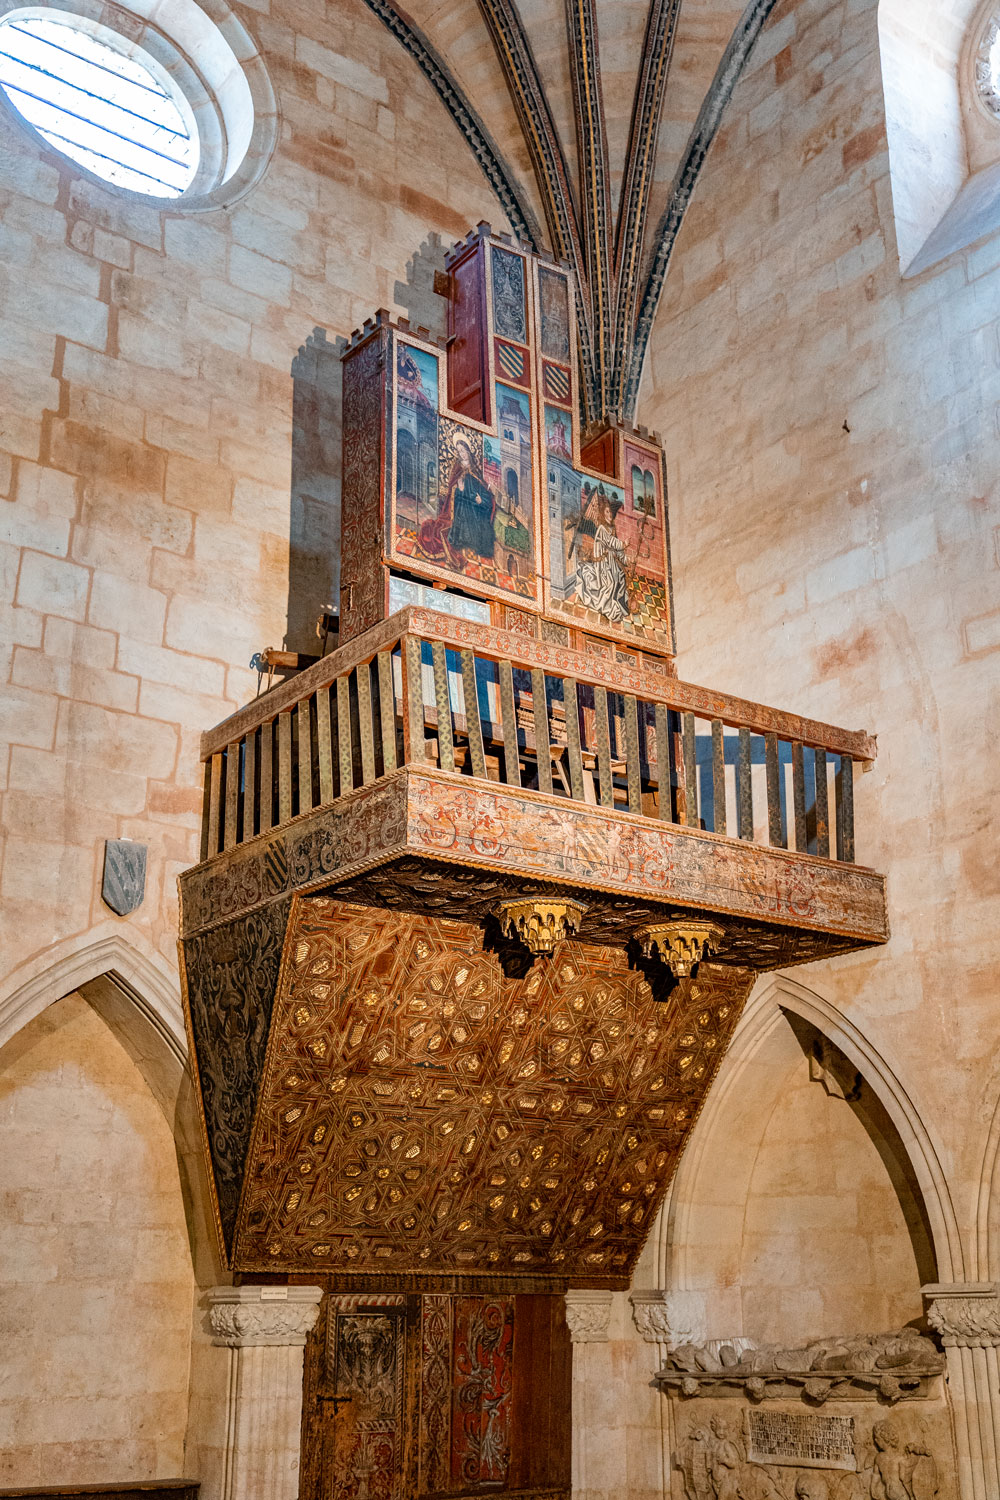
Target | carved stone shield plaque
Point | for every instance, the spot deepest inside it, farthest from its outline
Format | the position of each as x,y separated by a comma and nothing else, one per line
124,875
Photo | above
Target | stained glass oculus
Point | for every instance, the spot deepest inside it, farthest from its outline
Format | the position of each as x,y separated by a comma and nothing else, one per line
106,106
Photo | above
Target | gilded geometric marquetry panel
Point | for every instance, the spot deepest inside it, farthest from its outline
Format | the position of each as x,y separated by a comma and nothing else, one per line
420,1112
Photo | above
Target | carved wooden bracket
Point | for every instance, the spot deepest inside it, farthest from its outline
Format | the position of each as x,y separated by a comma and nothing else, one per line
540,924
680,945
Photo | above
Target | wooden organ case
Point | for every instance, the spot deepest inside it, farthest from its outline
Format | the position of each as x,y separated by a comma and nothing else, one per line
482,894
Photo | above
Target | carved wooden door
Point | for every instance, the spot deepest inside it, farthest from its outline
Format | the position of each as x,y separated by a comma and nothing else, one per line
437,1395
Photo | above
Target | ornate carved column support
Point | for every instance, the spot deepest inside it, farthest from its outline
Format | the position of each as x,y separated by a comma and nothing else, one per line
651,1318
588,1317
967,1317
680,945
265,1329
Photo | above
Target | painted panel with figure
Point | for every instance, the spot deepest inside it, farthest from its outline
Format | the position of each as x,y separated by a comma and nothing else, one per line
606,541
464,500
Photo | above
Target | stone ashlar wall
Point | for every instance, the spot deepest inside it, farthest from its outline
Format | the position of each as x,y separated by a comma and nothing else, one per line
833,445
96,1281
146,446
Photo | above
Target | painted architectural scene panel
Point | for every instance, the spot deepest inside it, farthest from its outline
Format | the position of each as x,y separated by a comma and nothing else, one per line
607,545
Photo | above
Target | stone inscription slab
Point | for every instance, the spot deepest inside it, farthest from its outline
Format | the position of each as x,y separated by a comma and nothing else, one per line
805,1439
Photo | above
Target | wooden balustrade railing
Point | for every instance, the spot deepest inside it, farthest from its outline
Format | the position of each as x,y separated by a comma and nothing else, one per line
425,689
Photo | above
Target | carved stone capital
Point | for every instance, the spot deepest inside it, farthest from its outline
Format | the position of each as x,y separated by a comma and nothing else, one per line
588,1316
966,1314
650,1316
242,1316
539,925
680,945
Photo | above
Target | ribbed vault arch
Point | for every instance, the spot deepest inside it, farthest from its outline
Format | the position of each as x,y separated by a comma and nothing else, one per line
773,999
613,215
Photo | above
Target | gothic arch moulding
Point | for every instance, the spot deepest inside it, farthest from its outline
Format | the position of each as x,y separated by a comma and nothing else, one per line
80,961
726,1139
136,994
988,1207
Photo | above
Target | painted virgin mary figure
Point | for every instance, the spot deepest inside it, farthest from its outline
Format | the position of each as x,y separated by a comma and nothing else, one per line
463,528
600,573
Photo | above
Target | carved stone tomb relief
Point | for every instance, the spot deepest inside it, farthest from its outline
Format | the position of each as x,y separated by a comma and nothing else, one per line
772,1452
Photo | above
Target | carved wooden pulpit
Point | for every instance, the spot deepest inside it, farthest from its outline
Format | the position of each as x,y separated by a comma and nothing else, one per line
482,894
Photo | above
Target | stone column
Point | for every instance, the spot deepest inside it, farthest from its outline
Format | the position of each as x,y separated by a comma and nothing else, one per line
264,1328
967,1316
651,1316
588,1317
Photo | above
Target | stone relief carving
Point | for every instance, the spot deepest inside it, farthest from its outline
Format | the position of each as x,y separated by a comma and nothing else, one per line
881,1366
891,1462
800,1437
651,1316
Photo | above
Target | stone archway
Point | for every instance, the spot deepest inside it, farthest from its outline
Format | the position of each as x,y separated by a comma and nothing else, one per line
773,997
729,1133
105,1224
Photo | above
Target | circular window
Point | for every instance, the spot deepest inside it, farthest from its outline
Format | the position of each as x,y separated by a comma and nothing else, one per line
186,115
108,107
988,66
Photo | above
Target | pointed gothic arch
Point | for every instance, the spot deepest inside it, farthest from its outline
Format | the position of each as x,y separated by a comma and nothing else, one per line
134,991
777,998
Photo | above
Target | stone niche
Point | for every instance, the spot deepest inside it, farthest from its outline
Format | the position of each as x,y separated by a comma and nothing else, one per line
847,1419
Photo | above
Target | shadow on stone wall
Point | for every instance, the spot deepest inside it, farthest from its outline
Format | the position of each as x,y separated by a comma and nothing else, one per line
314,540
829,1066
314,536
416,295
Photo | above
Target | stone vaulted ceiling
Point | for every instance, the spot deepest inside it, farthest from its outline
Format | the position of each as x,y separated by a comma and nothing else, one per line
591,119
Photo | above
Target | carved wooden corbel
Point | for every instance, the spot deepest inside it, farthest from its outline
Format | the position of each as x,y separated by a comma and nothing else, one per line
680,945
540,924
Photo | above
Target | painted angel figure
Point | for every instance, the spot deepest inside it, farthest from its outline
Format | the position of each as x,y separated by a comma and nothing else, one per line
600,572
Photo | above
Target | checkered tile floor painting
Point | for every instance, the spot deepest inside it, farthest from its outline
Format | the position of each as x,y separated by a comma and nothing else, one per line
648,601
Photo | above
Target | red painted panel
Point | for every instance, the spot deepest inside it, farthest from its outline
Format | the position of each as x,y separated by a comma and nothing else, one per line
468,387
481,1393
